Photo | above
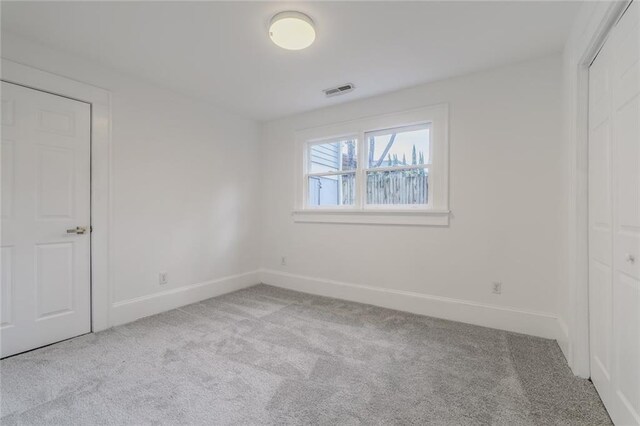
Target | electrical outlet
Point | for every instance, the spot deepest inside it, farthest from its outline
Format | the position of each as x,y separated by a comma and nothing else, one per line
497,288
163,278
283,261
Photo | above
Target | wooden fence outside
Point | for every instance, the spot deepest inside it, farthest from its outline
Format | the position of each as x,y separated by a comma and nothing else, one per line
390,187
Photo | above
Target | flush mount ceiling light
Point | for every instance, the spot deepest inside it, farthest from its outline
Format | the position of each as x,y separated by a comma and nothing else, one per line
292,30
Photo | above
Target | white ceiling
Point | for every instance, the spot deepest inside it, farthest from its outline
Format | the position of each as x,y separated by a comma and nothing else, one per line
220,51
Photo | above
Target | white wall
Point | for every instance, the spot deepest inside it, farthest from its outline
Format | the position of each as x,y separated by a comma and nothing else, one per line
508,208
180,202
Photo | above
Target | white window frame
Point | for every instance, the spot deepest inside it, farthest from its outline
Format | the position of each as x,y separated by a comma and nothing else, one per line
306,174
429,166
435,213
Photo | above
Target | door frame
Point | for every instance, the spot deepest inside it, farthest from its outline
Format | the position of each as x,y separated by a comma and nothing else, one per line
100,145
579,354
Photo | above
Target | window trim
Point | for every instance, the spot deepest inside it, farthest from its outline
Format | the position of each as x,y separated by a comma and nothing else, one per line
436,212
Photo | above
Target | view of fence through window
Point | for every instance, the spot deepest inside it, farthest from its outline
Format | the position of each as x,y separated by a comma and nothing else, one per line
334,169
397,169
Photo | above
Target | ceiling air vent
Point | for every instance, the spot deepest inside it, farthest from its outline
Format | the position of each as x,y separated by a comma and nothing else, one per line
340,90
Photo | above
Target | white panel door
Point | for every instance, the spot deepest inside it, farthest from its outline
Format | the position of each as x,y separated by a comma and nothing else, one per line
614,219
45,198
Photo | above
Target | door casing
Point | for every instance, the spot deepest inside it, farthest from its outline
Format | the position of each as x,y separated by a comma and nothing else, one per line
579,352
100,101
612,223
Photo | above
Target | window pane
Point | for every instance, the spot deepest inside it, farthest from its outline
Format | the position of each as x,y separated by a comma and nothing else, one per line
398,187
334,190
398,147
333,156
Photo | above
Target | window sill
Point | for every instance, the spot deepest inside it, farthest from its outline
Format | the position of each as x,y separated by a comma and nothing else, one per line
374,217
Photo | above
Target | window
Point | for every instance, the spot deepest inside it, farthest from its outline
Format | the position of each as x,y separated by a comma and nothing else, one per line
397,171
386,169
332,171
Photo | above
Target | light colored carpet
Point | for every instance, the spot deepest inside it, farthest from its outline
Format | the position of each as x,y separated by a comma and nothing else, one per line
264,355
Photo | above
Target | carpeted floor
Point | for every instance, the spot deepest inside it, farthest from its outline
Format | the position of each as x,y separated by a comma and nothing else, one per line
264,355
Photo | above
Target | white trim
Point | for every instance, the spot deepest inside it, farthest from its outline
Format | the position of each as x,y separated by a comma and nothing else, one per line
588,43
100,101
398,168
338,173
391,130
407,216
535,323
334,139
563,339
130,310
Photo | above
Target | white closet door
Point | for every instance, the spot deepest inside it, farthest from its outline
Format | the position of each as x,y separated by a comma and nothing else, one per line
614,219
45,293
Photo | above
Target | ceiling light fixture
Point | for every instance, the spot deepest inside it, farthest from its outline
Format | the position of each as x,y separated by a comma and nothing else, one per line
292,30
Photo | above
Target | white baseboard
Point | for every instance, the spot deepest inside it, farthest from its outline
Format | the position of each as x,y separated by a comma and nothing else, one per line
130,310
541,324
563,340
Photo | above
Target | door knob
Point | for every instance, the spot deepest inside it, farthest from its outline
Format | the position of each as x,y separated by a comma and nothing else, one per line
77,230
631,258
